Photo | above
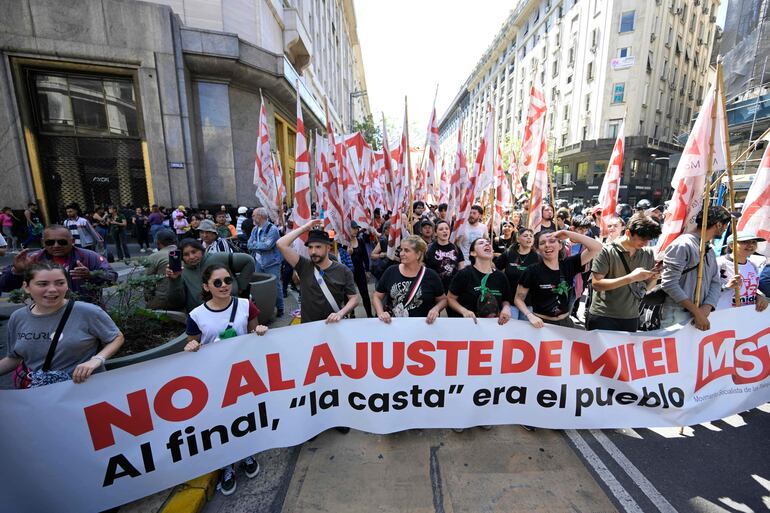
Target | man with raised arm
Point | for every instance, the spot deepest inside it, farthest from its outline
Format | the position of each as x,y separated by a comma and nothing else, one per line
328,289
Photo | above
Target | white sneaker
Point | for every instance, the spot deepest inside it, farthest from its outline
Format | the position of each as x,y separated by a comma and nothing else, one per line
142,250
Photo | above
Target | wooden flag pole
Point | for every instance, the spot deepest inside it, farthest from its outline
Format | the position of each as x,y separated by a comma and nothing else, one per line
706,198
409,167
730,185
744,155
493,190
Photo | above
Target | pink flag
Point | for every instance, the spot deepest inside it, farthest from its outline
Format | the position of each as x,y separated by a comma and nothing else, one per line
755,216
534,151
301,213
689,180
608,194
264,171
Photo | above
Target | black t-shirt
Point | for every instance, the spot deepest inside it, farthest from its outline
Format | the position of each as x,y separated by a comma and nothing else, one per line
444,259
551,228
466,285
549,290
500,244
396,288
513,265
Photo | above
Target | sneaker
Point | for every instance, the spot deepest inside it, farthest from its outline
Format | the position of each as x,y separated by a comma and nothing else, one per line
251,467
279,313
227,481
142,250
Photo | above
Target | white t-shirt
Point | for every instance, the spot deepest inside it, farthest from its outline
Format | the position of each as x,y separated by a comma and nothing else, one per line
750,274
471,234
210,323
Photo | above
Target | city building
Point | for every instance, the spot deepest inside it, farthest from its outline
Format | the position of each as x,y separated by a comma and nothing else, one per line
645,61
133,103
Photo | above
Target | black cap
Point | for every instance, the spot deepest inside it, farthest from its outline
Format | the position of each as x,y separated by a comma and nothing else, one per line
318,236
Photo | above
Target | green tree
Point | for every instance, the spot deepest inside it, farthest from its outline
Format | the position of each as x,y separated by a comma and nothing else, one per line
371,132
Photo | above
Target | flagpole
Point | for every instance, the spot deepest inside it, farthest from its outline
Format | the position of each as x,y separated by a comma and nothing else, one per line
744,154
427,136
409,166
730,185
706,198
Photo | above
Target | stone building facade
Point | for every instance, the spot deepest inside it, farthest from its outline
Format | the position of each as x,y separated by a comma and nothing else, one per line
645,61
133,103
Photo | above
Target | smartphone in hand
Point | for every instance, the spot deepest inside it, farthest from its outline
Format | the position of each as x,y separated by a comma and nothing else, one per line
175,261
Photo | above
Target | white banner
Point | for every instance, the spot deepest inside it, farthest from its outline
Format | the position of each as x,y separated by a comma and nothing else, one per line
131,432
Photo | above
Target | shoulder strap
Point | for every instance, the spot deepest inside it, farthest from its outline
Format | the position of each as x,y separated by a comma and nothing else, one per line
57,335
232,312
325,289
415,285
622,259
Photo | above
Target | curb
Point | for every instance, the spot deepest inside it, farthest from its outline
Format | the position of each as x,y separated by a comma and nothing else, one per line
191,496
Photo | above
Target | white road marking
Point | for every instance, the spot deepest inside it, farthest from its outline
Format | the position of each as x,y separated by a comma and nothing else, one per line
634,473
624,498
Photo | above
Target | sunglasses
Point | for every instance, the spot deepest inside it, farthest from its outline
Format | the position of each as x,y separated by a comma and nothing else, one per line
227,281
60,242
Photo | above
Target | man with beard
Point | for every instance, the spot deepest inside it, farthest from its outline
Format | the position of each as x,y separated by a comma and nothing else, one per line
475,229
327,287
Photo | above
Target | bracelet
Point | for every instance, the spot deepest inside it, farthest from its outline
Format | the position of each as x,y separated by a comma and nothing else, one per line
98,357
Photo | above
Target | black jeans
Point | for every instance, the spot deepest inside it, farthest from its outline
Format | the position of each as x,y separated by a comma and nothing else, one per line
599,322
363,289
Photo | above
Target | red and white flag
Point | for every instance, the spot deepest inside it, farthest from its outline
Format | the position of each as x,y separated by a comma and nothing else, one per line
334,213
484,167
608,194
264,170
513,170
433,153
280,195
301,213
755,215
534,151
319,148
689,180
458,182
401,194
483,173
443,186
503,198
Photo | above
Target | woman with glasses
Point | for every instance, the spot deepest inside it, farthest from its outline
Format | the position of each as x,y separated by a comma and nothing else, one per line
223,316
747,279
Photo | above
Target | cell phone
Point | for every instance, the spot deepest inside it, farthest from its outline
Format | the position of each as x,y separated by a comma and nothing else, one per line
174,261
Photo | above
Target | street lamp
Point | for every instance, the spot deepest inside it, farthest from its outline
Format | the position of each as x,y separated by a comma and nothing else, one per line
353,94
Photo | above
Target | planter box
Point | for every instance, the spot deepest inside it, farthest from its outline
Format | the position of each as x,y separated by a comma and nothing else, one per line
263,291
174,345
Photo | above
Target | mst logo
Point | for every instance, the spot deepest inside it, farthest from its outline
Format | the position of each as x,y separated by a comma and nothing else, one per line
747,360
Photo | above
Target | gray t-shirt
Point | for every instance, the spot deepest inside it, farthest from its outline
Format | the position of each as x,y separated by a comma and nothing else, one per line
338,278
87,330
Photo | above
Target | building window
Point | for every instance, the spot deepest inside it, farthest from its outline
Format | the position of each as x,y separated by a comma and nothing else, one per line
618,92
588,102
635,167
566,113
624,52
555,67
590,71
582,171
627,21
613,128
566,175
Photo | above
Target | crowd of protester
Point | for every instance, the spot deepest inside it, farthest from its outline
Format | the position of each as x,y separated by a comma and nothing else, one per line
206,260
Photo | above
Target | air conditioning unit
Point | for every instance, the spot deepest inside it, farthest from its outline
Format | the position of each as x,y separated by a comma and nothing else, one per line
678,11
691,96
705,9
712,19
653,37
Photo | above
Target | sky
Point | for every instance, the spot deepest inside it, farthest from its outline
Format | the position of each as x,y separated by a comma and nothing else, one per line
411,46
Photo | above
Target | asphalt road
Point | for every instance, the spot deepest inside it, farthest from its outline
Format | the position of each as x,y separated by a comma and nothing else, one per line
722,466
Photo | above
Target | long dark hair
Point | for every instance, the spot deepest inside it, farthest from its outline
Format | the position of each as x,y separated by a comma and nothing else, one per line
515,244
205,294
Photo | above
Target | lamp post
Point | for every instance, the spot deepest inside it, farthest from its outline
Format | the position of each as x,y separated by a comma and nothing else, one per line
353,94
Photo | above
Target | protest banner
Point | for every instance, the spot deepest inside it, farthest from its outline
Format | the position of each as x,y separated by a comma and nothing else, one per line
133,431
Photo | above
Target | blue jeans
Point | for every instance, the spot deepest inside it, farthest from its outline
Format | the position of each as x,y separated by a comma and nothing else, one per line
517,314
154,229
275,270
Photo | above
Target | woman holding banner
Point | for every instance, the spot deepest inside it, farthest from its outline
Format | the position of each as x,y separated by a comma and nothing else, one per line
444,256
515,260
56,338
409,289
223,316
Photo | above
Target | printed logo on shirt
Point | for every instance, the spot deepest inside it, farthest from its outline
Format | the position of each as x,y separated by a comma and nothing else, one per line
41,335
